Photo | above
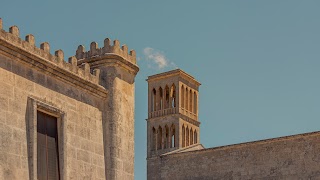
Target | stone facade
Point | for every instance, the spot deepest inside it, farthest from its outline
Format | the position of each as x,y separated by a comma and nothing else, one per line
291,157
172,112
91,95
294,158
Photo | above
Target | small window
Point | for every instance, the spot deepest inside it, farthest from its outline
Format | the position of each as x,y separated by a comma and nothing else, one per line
47,147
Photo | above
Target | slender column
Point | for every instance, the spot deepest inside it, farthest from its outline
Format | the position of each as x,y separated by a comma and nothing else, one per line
157,99
170,96
156,140
162,137
191,103
164,103
186,104
170,138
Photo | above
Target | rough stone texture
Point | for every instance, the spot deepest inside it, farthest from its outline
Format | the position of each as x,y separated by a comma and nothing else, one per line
117,76
293,157
84,137
120,123
95,111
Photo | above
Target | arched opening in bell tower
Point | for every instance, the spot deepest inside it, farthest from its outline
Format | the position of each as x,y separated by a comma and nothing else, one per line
153,100
160,99
159,139
167,101
153,139
173,96
167,137
183,136
187,136
182,96
173,136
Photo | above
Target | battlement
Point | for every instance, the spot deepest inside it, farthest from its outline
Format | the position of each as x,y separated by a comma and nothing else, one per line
28,45
107,49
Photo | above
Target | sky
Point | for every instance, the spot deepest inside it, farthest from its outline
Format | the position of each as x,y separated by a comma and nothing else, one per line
258,61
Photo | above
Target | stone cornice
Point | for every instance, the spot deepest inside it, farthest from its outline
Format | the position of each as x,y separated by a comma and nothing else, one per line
184,117
110,59
189,120
176,72
59,69
250,144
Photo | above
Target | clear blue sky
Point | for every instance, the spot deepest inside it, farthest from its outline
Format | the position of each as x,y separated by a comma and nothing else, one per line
258,61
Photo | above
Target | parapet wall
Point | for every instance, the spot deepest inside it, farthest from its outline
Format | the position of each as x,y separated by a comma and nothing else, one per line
28,45
291,157
115,49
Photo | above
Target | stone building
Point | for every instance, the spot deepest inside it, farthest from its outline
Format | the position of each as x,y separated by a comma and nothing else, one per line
174,150
65,120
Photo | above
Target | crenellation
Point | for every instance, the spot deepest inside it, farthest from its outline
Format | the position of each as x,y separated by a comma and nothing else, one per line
80,52
59,54
107,43
28,45
45,46
86,68
73,62
106,50
133,54
59,57
124,48
30,39
14,30
116,47
94,49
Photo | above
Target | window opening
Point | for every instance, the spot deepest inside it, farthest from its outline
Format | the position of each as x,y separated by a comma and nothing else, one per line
187,136
182,96
173,140
183,136
153,100
47,147
167,97
173,96
191,136
159,140
160,99
154,137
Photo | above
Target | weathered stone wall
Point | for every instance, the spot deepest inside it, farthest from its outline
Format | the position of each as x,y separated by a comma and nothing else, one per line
83,138
292,157
120,123
118,69
95,111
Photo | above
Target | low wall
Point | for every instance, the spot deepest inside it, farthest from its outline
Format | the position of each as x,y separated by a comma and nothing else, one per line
290,157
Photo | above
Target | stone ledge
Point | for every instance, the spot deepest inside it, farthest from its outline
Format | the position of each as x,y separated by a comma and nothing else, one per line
17,53
184,117
111,58
252,143
28,45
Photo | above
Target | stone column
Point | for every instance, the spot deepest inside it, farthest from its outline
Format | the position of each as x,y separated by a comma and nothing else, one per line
169,137
163,136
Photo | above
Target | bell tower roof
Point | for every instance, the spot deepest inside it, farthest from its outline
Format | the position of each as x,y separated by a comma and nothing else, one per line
173,73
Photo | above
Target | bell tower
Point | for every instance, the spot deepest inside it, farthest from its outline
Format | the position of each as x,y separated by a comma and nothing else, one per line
173,123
